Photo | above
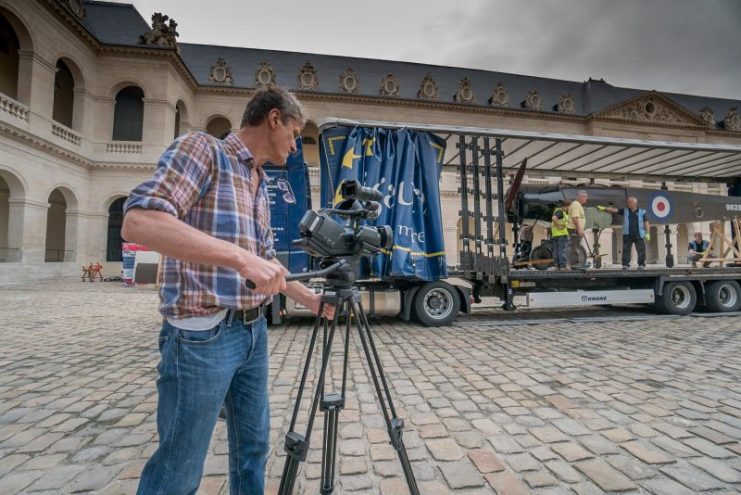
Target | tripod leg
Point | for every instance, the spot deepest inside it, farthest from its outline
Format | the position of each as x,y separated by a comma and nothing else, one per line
297,445
332,404
394,425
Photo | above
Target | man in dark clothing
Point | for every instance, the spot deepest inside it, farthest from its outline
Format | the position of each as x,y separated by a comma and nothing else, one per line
697,249
636,230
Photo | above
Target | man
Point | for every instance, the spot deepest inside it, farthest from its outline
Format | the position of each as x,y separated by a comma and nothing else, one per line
559,237
636,231
576,225
206,210
697,249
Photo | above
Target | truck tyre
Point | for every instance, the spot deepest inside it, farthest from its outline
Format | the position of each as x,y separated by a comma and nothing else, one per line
679,298
436,304
542,253
723,296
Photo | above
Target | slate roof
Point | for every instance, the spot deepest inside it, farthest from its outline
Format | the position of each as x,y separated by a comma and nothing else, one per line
121,24
114,23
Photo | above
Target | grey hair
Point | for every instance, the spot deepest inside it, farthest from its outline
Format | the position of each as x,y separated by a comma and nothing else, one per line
270,97
581,192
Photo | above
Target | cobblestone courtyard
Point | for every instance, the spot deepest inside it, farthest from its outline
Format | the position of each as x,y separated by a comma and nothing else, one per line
559,407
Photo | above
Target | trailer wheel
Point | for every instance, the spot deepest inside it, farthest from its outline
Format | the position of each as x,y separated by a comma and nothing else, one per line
540,254
436,304
679,298
723,296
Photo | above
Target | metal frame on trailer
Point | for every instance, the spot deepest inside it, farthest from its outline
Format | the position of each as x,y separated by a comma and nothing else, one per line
549,154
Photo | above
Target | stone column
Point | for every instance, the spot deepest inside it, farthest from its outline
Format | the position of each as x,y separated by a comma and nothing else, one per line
30,234
72,241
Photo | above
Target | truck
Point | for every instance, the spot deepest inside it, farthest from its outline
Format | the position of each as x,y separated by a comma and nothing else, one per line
413,279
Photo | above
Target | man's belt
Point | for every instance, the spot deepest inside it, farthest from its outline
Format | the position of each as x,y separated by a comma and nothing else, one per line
246,316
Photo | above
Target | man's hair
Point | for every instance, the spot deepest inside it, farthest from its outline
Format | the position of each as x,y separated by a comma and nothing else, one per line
581,192
270,97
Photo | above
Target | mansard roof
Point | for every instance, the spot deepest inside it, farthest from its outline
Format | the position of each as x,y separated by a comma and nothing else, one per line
122,24
114,23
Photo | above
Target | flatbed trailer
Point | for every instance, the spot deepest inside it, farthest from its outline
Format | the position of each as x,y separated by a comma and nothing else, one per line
483,156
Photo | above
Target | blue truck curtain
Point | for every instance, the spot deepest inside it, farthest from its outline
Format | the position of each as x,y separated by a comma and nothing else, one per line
405,166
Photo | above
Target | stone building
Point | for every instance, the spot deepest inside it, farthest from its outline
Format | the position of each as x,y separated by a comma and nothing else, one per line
91,93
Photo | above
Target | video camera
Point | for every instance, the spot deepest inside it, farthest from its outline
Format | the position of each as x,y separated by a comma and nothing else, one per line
323,236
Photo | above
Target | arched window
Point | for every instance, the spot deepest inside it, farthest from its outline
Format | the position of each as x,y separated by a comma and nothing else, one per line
128,116
56,223
4,220
115,221
181,119
309,139
9,59
64,94
219,127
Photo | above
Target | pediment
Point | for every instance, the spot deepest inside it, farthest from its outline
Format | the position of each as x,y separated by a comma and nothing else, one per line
651,108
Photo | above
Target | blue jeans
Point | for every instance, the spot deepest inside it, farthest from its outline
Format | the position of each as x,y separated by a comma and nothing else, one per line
198,372
559,251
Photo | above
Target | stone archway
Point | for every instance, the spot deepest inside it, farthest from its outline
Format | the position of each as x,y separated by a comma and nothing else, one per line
61,226
310,144
12,198
219,127
115,221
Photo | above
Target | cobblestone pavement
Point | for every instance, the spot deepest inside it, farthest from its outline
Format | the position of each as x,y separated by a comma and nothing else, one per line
553,407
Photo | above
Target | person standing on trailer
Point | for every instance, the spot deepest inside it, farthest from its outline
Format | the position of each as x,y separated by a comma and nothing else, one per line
636,231
560,237
576,223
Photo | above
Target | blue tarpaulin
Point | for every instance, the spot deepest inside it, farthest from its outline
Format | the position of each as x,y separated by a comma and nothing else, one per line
287,206
405,167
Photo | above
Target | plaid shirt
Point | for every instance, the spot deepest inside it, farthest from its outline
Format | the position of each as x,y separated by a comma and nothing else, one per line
205,182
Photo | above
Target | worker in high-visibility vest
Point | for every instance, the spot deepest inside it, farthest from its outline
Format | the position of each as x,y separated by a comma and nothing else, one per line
560,237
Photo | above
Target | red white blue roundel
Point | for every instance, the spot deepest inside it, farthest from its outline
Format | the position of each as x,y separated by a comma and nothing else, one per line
661,207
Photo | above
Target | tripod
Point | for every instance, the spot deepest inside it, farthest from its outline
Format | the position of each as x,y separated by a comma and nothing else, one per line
340,292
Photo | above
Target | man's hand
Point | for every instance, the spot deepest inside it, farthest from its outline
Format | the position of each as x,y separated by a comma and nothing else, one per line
601,208
315,302
647,237
580,232
269,278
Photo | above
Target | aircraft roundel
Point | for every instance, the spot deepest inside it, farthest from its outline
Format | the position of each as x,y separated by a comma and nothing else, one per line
661,206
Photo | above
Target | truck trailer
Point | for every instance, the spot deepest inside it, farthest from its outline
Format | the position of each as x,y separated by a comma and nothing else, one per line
413,280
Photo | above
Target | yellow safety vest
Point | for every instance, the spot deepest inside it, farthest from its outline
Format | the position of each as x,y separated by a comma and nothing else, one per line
562,230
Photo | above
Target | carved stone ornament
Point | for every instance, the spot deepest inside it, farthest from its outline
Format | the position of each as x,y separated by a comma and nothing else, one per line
389,86
465,92
708,116
162,34
566,104
732,122
76,7
533,101
428,89
649,109
265,75
349,81
307,78
220,73
499,98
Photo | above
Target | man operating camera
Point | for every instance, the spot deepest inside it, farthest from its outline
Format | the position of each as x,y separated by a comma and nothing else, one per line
206,210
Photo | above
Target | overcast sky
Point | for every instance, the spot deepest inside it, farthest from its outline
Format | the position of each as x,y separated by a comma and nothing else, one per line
680,46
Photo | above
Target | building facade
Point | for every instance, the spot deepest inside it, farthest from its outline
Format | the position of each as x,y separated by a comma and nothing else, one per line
91,94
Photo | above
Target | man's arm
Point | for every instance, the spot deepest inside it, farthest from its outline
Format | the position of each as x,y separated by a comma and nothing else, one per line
171,237
299,292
